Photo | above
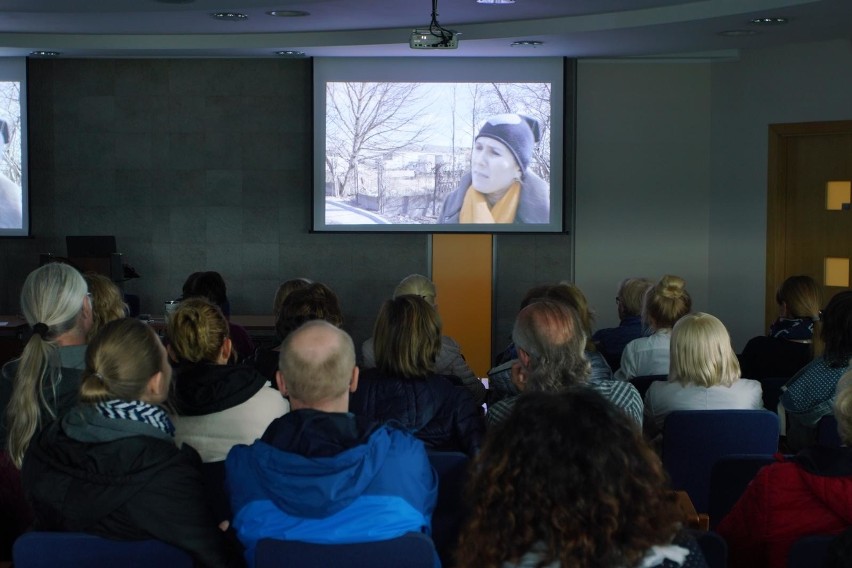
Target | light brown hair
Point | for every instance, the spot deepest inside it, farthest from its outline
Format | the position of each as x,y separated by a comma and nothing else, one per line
407,337
197,329
666,302
107,302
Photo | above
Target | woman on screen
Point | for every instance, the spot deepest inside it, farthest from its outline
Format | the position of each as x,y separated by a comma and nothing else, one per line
500,187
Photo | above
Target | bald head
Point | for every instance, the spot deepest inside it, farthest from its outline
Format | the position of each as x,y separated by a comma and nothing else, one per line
550,333
317,365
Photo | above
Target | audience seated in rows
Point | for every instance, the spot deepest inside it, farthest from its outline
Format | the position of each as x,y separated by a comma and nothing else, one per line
628,300
567,480
211,285
450,361
665,303
217,404
319,473
704,373
107,302
809,394
110,466
789,344
404,387
550,344
809,493
306,302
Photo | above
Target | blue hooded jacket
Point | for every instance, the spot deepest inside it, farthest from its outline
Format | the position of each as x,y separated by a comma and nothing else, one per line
329,478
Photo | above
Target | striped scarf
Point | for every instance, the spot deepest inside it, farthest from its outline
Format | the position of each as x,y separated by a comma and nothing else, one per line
138,411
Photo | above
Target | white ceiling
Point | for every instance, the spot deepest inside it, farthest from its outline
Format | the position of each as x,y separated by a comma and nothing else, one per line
572,28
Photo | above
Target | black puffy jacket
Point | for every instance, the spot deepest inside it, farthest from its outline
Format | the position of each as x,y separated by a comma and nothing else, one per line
123,480
445,417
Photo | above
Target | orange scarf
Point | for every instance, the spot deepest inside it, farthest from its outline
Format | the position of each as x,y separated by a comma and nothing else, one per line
475,207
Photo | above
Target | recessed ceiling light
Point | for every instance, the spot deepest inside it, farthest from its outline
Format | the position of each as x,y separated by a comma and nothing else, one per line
738,33
45,53
229,16
495,1
526,43
768,21
290,53
288,13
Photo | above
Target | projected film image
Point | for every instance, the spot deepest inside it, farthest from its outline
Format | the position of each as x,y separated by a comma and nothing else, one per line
11,198
405,153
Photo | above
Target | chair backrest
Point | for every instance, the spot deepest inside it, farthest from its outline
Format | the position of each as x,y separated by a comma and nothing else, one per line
51,549
809,551
694,440
413,550
728,480
450,510
213,478
642,383
827,434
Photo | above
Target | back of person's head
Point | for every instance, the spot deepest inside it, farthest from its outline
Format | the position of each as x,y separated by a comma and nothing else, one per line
701,352
53,299
802,295
534,293
107,302
551,334
631,294
843,407
572,296
317,361
316,301
407,337
208,285
836,331
120,360
666,302
568,471
284,290
416,285
197,329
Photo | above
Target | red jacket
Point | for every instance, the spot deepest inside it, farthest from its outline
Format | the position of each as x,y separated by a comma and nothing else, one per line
808,494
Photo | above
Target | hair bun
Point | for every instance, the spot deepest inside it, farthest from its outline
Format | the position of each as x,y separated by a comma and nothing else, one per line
671,286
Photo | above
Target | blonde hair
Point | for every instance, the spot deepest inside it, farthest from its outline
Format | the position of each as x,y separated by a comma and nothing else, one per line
417,285
701,352
120,361
107,302
631,293
52,295
284,290
407,337
802,295
197,329
843,407
320,372
666,302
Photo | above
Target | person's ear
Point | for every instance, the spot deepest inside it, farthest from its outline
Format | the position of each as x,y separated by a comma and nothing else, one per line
172,355
523,357
225,351
279,382
155,390
353,382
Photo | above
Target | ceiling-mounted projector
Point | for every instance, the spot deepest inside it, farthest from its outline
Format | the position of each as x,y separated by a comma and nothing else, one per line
435,36
440,38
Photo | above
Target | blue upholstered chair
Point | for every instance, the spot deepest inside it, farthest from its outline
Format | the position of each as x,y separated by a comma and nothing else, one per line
80,550
694,440
728,481
412,550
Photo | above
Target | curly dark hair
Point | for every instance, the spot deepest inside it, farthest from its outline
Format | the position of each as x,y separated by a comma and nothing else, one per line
836,332
569,472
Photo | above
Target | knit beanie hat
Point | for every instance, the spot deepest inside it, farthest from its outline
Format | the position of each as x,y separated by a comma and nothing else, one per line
518,132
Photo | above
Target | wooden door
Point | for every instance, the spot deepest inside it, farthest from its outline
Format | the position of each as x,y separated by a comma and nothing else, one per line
801,232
